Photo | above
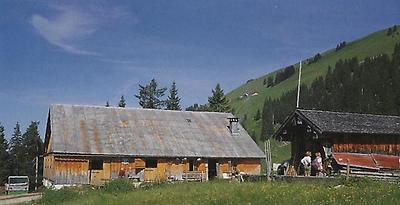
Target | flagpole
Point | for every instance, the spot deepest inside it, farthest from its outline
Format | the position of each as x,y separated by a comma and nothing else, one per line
298,88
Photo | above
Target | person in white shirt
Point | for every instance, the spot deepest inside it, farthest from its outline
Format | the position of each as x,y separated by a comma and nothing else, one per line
306,162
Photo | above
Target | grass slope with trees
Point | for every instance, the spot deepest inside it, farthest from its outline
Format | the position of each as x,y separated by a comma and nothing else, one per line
246,106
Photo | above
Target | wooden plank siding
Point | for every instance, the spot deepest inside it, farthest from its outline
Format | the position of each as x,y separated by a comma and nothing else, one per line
249,166
76,170
367,144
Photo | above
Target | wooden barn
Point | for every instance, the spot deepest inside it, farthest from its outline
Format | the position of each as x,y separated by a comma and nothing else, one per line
360,141
91,145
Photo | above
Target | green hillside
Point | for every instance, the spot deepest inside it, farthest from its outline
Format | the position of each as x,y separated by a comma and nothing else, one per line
371,45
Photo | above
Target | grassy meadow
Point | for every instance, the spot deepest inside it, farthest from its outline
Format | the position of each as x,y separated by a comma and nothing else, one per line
224,192
368,46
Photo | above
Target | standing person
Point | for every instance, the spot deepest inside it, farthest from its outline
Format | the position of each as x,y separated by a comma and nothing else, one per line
317,164
121,173
306,162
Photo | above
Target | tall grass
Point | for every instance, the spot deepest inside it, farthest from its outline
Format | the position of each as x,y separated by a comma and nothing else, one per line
222,192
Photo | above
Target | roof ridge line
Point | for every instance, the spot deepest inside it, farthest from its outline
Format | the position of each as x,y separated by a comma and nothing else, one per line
137,108
353,113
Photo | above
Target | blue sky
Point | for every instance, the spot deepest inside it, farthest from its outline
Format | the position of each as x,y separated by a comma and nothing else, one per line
88,52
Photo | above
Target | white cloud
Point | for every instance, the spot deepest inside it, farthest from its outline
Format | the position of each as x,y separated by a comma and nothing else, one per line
66,29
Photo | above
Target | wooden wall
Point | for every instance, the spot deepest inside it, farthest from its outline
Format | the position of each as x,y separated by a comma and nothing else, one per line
366,144
249,166
76,170
66,170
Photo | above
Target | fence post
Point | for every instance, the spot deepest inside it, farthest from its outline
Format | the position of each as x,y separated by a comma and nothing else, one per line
268,160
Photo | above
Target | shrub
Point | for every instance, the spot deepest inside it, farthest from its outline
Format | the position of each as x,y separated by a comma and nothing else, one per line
119,185
58,196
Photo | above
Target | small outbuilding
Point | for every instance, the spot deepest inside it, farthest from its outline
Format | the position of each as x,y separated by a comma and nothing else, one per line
91,145
360,141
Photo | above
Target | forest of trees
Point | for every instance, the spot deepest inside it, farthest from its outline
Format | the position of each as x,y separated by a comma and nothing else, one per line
314,59
370,86
340,45
151,96
279,77
18,156
392,30
217,102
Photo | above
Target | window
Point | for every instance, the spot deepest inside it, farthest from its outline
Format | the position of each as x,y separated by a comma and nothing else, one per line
151,163
96,164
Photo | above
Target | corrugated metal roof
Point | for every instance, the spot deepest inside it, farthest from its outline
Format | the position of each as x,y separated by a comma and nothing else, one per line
76,129
367,161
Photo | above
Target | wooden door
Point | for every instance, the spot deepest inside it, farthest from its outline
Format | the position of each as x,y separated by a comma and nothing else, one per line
96,172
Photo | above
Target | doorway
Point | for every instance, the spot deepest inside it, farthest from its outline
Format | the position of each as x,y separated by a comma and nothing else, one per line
96,172
212,168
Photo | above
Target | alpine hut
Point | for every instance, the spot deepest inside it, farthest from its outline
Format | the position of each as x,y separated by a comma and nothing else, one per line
362,142
91,145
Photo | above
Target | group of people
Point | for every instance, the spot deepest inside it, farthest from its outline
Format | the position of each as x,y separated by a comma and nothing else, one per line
315,165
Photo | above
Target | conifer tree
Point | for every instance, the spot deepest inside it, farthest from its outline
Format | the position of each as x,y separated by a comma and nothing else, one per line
270,81
267,126
218,102
198,108
389,32
107,104
33,148
257,116
4,157
16,150
173,98
150,95
122,102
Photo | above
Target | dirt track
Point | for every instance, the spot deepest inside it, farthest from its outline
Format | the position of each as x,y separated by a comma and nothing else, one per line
15,199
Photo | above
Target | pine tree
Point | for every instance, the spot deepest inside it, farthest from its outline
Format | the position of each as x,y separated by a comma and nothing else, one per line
16,150
173,98
243,121
270,81
107,104
267,126
389,32
149,96
33,148
198,108
122,102
218,102
257,116
4,157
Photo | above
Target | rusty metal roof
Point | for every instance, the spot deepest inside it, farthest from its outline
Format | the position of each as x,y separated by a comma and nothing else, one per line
76,129
367,161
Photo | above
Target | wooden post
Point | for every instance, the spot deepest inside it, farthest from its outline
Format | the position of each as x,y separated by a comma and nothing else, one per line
298,88
268,160
186,176
348,168
36,171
